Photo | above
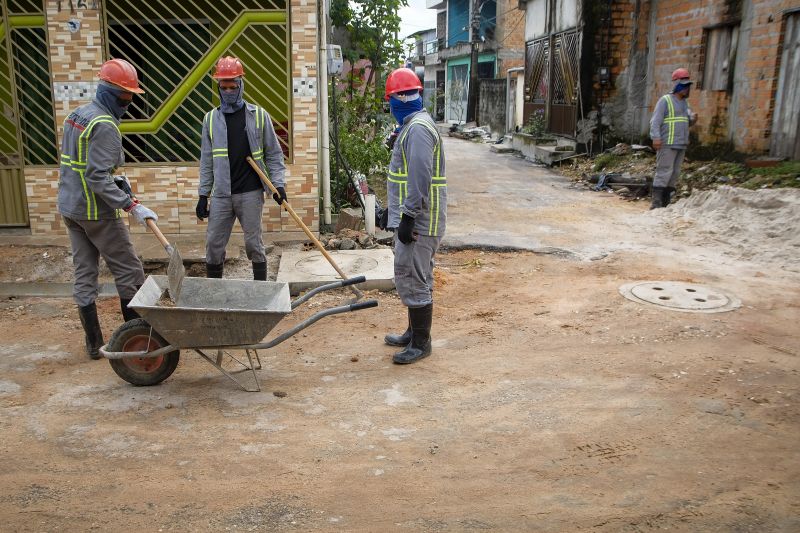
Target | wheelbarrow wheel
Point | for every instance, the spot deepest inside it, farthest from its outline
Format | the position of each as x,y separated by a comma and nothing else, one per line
136,336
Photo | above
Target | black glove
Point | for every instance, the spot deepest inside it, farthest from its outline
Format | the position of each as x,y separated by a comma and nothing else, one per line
390,140
279,196
381,217
122,183
201,210
405,232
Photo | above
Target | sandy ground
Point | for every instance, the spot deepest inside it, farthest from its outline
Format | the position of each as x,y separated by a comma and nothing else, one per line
550,403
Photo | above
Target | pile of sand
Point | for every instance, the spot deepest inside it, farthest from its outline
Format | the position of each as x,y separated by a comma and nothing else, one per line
761,226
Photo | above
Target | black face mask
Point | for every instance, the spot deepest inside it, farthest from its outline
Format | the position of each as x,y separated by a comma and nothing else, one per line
108,95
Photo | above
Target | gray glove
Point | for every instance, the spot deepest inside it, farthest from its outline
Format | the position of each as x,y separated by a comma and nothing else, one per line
141,213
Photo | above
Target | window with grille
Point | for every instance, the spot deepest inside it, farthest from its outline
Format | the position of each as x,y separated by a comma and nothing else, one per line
719,57
174,46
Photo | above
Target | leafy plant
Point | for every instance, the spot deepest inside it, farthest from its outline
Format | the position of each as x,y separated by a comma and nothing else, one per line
536,125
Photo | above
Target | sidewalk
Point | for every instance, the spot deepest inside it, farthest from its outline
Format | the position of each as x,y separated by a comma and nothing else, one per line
191,246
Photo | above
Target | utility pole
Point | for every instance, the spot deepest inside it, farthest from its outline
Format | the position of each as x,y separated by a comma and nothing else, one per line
472,95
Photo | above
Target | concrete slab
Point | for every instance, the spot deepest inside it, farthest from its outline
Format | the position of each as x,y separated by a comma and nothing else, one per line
306,270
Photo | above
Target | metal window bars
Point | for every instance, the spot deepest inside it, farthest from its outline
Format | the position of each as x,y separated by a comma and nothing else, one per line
173,46
27,125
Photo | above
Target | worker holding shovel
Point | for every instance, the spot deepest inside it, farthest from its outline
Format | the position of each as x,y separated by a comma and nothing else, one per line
233,132
90,197
417,203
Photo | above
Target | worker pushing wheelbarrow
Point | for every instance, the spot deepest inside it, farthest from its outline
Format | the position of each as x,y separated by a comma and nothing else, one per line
210,317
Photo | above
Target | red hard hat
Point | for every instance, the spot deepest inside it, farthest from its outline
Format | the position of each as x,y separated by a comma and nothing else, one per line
680,74
228,68
401,79
122,74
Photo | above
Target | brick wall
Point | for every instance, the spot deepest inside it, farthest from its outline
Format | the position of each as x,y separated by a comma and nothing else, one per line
171,190
510,35
675,30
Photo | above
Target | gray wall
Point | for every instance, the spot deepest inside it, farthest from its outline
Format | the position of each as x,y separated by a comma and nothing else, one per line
492,104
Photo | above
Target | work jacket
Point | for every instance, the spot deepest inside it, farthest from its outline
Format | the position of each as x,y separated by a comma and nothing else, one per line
416,184
265,149
670,122
90,152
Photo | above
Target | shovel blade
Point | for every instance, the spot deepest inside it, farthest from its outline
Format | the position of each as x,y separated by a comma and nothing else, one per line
175,274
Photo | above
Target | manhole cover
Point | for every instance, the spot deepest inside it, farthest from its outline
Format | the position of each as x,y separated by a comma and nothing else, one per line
350,264
680,296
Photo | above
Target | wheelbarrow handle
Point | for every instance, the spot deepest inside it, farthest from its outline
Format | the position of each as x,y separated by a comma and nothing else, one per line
353,281
335,285
363,305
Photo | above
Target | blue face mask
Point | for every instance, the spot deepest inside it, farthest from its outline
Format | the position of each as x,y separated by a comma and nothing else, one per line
400,110
681,87
232,101
109,96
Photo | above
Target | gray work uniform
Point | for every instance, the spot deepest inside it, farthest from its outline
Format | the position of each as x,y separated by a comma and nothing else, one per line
90,203
215,181
417,186
670,123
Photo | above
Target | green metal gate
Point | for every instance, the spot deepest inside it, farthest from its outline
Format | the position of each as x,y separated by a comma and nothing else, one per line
174,46
27,120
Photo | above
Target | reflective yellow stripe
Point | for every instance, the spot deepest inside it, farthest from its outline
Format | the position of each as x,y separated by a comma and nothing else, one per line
83,159
670,120
437,181
210,116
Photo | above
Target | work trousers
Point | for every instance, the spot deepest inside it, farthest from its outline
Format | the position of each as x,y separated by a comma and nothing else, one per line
247,208
668,166
110,239
413,270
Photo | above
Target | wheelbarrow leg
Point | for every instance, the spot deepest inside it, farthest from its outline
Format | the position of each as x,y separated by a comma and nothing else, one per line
258,359
227,374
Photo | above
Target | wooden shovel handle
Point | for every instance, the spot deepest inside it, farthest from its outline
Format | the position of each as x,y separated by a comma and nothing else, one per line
157,232
302,225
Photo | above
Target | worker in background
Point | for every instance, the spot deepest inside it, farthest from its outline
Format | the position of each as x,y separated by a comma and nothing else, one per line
669,129
417,210
90,197
233,132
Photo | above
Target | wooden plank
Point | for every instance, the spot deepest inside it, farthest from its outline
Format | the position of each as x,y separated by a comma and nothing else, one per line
786,121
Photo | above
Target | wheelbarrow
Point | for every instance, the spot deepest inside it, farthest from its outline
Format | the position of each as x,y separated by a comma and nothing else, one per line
210,315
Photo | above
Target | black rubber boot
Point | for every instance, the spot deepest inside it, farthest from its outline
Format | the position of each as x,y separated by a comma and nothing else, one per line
667,196
260,271
420,345
400,340
127,312
658,197
91,326
214,271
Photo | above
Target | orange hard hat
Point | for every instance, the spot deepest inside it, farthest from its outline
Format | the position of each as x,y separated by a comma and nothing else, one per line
400,80
228,68
681,74
122,74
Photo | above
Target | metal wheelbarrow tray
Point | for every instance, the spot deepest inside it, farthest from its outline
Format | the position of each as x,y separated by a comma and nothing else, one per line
210,314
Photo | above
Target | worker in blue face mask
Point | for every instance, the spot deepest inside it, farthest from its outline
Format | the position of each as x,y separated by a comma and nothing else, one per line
233,132
669,130
417,210
90,197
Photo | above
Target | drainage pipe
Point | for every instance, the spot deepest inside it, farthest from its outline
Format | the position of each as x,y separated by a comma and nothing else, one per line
324,137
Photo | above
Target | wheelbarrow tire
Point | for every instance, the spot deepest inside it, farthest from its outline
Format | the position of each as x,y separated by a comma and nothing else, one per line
135,336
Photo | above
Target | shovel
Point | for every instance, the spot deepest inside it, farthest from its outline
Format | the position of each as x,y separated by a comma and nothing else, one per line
302,225
175,270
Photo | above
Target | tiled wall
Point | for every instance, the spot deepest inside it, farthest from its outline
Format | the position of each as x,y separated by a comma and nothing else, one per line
170,190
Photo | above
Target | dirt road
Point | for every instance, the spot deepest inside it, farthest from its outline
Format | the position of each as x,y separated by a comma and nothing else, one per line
550,403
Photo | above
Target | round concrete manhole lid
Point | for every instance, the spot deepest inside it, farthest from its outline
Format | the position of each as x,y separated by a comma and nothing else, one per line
319,266
680,296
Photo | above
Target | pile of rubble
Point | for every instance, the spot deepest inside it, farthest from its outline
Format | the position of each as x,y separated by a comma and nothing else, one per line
471,132
624,164
349,239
